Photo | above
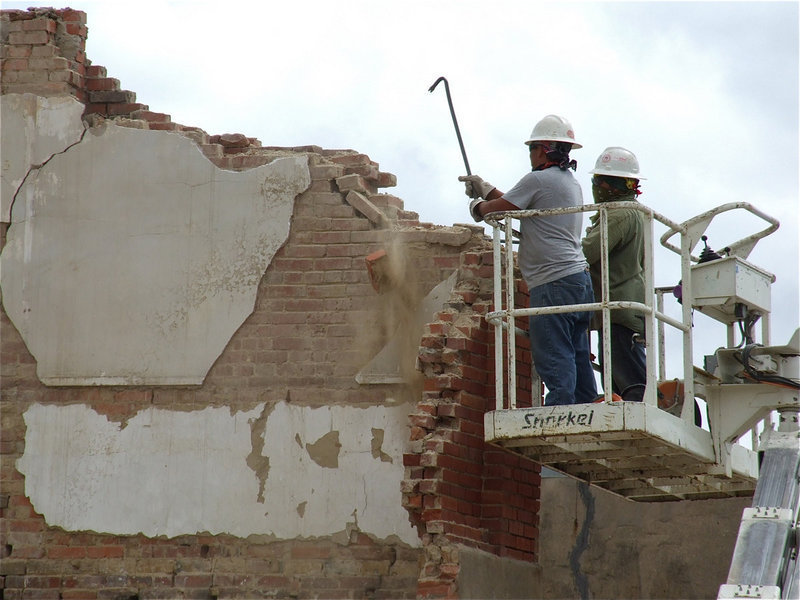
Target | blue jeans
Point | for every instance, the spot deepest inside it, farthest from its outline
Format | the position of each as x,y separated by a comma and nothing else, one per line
628,363
560,342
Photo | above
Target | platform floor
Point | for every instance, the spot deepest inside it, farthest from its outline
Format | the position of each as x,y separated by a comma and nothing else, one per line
631,449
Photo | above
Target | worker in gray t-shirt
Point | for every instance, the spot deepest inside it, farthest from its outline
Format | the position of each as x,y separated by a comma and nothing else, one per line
550,258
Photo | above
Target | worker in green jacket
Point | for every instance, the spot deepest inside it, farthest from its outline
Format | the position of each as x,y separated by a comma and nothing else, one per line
616,179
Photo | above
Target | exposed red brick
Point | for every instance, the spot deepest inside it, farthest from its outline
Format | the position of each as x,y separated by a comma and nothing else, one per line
66,552
28,37
15,64
123,108
42,24
96,71
101,83
73,16
77,29
164,126
105,552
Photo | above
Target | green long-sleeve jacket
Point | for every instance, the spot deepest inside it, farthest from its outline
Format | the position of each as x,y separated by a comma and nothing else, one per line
625,261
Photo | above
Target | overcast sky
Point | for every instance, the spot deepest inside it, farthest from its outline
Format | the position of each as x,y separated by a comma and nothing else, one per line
704,93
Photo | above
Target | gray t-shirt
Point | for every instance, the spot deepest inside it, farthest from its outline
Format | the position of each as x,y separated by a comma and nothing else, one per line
550,247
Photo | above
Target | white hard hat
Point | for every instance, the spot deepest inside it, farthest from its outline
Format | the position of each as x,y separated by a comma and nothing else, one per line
553,129
617,162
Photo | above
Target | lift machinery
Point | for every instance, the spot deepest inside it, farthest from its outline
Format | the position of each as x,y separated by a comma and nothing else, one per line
654,450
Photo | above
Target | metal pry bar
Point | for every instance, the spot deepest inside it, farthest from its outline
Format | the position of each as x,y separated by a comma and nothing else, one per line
455,121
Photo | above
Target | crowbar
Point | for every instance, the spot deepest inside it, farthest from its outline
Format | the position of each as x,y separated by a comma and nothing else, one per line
455,121
514,232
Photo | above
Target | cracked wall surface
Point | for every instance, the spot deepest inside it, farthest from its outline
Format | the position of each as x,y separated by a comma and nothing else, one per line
287,470
131,259
34,129
656,549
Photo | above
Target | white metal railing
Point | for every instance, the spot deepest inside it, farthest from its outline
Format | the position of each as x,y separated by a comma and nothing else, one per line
505,313
503,318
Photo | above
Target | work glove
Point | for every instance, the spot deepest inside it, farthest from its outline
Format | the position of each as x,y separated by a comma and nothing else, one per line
473,209
475,187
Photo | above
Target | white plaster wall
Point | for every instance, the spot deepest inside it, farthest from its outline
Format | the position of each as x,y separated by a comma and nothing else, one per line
172,473
34,129
132,259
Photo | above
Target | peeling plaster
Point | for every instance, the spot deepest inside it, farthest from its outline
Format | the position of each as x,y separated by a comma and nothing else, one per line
180,473
377,446
325,451
141,224
256,459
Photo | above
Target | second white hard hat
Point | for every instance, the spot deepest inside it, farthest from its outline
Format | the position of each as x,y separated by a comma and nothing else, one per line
617,162
553,128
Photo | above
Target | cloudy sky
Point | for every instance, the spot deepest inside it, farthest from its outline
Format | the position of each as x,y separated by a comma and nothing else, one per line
704,93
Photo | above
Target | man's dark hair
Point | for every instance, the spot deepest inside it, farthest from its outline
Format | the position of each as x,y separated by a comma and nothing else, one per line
563,147
559,153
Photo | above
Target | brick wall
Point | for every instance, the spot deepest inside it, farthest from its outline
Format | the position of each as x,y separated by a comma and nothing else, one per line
459,490
306,339
44,52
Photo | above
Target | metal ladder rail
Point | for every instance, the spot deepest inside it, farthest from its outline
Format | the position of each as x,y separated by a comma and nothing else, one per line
765,559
